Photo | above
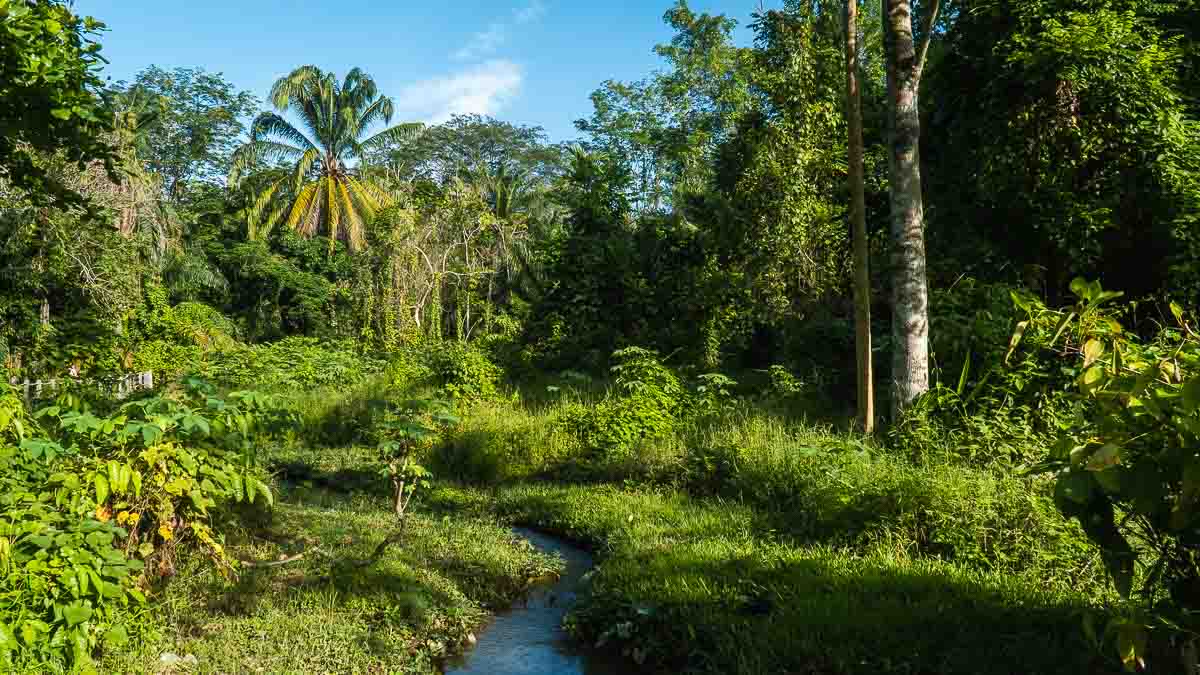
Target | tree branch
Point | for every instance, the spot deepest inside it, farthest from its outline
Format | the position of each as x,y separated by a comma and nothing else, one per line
926,38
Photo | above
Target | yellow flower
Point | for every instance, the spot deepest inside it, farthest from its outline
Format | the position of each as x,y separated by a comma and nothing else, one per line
165,533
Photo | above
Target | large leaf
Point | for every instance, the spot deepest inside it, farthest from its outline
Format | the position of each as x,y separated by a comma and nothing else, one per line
102,490
76,614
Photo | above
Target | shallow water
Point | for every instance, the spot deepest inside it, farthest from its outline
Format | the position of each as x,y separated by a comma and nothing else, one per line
529,638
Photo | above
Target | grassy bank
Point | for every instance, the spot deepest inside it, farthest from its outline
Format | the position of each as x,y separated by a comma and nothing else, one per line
405,613
705,586
733,536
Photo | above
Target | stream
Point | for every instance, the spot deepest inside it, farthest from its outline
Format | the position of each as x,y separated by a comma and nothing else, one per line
529,638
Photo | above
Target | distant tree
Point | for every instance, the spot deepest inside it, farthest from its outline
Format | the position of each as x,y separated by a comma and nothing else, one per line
49,100
668,129
193,123
475,143
325,188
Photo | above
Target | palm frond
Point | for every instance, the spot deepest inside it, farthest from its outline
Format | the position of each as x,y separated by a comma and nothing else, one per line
272,124
293,86
395,134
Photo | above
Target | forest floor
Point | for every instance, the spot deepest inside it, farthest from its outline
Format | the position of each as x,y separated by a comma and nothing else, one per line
683,583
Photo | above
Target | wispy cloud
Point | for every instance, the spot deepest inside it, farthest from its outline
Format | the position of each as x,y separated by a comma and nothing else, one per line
483,89
488,41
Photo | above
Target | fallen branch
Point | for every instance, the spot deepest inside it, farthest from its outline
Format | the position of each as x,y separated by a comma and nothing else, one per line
276,563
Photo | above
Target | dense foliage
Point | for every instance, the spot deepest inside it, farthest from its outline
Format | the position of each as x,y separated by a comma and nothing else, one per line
659,314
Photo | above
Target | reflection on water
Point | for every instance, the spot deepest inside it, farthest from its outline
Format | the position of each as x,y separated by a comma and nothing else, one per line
529,638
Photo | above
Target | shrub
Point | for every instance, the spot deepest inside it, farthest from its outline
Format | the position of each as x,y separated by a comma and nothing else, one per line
91,500
1128,466
1002,406
646,406
464,371
291,363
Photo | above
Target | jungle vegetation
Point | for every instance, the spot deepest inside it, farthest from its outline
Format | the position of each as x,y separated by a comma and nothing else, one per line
869,346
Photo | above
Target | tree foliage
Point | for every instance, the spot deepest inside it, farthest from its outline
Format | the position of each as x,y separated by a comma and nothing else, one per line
49,86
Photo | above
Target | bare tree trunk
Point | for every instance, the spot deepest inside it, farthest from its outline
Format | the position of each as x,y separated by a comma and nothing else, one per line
858,220
910,295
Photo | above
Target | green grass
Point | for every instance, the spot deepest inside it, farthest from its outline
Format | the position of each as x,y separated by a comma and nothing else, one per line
743,542
703,586
403,614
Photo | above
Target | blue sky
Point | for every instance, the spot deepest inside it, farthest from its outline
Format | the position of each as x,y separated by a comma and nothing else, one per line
526,61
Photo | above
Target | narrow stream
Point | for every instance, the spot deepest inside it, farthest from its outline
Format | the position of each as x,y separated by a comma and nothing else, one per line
528,638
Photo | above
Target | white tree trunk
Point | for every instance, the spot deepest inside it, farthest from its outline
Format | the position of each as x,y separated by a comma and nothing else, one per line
910,295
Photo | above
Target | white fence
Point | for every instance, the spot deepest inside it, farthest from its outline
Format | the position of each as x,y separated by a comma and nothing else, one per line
120,387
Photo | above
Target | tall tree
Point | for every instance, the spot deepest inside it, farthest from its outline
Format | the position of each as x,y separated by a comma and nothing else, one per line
194,123
325,188
858,221
910,292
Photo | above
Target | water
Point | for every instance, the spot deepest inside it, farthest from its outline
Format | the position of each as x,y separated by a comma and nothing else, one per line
529,639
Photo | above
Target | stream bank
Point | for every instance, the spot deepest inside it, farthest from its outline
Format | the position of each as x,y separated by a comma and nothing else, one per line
529,638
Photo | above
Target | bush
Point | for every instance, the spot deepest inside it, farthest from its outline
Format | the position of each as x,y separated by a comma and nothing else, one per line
94,499
1128,466
463,370
1002,406
291,363
648,400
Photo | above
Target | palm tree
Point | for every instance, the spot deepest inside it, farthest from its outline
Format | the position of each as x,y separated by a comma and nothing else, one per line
324,188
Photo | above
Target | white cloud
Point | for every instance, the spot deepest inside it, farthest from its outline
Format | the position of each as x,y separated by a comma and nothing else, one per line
483,89
487,42
483,43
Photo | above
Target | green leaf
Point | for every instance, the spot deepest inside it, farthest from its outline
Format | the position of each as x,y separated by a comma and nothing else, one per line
114,476
1177,312
101,488
116,637
1079,286
8,639
76,614
264,490
32,630
1092,379
962,377
1106,457
100,540
151,433
1131,645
